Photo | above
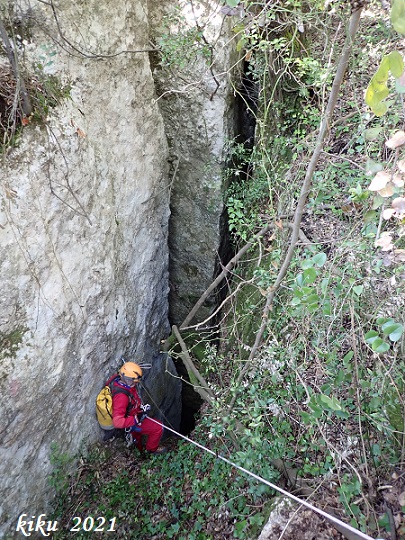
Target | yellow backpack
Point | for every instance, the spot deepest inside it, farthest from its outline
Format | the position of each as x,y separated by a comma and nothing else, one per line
104,403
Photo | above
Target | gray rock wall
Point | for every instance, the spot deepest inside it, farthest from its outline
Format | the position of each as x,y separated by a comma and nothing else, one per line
196,100
84,204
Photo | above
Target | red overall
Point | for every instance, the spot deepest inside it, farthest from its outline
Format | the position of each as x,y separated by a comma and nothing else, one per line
124,417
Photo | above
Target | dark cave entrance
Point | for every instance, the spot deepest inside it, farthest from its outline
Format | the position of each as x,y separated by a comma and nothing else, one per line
244,122
191,401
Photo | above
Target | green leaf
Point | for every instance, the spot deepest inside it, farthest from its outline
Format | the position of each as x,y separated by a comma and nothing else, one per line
327,307
379,345
324,285
370,216
331,403
358,289
393,331
384,107
377,202
241,43
372,166
396,63
370,135
319,259
307,263
317,411
388,327
340,377
376,93
398,15
307,290
399,88
379,108
312,299
232,3
375,402
306,417
309,275
371,336
300,280
376,450
342,414
238,28
298,294
347,357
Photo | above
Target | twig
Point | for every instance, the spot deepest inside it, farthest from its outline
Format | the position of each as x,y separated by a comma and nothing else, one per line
79,51
358,399
220,307
204,391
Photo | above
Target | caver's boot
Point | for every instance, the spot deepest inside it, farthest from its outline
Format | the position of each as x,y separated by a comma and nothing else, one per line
159,450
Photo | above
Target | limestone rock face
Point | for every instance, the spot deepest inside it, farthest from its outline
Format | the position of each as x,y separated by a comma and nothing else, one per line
86,197
84,243
196,98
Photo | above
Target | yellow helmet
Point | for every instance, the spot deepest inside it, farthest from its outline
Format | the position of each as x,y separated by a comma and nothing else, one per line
131,370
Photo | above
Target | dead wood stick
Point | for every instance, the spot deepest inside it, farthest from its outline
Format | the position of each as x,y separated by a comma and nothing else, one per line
204,390
221,276
229,267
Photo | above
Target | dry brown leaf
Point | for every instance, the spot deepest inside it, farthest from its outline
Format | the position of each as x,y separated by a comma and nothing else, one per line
400,255
385,242
388,213
81,133
399,205
398,139
10,193
379,181
387,191
398,180
401,165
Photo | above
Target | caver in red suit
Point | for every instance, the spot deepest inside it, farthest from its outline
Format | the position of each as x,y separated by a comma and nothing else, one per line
127,412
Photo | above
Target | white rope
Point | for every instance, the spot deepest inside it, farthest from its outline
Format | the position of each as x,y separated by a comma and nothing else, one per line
273,486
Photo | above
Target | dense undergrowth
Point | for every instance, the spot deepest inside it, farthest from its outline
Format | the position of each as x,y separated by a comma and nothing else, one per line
324,394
